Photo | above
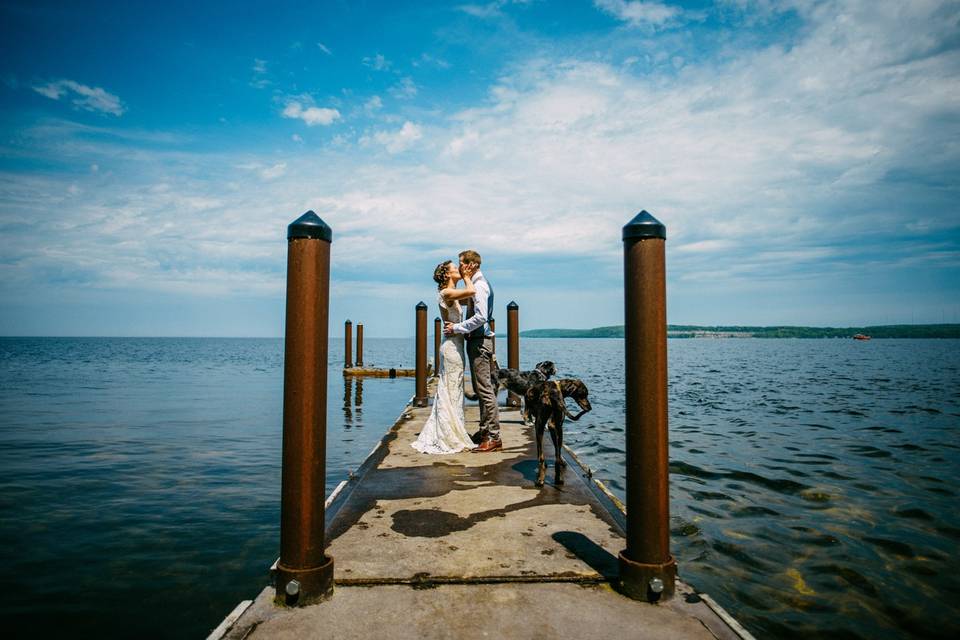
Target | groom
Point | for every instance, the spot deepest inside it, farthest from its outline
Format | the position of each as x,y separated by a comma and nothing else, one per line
476,326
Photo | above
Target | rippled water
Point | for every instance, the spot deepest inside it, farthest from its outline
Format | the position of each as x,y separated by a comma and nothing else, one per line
813,482
140,478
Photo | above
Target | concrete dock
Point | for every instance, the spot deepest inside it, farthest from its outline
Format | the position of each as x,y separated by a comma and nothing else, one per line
464,546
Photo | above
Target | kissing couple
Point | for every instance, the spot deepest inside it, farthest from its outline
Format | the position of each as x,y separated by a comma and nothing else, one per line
466,318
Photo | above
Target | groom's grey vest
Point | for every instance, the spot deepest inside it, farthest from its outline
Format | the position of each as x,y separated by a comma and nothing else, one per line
480,331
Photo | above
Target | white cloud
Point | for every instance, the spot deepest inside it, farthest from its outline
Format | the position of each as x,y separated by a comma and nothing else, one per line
324,48
84,97
405,89
259,70
373,104
317,115
639,13
296,137
429,60
271,172
377,62
275,171
490,9
310,115
469,139
767,163
704,246
399,140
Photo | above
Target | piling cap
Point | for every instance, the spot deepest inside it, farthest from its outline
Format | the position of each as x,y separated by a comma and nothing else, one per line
421,305
347,321
309,225
513,306
644,225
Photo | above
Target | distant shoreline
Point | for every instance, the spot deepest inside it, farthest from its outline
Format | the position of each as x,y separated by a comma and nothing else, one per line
694,331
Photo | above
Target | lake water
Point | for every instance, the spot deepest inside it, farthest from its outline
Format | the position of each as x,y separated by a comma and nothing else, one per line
813,482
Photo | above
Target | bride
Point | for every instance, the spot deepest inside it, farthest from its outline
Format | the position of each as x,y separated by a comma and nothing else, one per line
445,430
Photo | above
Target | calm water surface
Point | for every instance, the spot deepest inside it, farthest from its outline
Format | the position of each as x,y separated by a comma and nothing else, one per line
813,481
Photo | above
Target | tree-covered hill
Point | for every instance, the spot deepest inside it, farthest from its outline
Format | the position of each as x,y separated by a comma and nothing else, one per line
695,331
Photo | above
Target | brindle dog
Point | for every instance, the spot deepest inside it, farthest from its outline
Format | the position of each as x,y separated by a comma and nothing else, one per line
545,401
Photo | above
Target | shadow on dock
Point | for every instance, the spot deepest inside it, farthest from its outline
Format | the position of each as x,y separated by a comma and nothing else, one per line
423,542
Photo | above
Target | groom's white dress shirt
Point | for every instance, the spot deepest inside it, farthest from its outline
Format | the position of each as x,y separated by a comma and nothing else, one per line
480,311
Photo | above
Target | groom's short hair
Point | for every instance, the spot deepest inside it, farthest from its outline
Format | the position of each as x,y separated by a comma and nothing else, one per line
470,256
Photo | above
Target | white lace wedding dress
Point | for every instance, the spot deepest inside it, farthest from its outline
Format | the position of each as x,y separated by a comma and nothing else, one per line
445,430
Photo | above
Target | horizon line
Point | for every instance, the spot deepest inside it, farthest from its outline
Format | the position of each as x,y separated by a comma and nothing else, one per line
410,337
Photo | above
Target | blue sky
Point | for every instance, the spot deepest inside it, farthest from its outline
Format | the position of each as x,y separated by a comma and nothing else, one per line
804,156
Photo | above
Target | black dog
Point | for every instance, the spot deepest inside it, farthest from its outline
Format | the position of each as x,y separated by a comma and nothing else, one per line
545,402
520,381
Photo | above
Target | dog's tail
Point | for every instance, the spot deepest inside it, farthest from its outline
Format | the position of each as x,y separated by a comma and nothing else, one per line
502,386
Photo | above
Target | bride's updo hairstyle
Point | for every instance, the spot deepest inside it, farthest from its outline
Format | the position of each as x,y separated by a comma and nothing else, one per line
440,274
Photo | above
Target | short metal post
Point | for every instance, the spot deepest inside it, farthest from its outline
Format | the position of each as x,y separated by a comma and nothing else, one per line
437,336
420,398
347,344
513,347
305,573
647,570
359,344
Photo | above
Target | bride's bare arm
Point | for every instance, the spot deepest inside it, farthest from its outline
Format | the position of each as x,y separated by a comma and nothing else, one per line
451,294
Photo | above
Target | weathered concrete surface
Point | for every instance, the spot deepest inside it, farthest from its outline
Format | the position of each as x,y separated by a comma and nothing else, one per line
470,515
513,610
487,554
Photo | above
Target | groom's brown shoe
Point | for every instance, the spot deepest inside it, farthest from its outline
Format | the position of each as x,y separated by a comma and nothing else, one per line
478,436
488,445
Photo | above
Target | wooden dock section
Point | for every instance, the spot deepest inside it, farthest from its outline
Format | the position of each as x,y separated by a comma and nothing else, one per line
382,372
464,546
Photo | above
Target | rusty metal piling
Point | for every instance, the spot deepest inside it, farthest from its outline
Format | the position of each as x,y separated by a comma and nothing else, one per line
304,572
359,344
347,344
647,570
513,347
420,397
